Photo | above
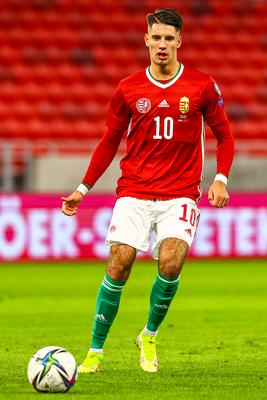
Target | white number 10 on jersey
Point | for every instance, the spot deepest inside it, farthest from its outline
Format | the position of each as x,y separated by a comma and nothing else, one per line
167,128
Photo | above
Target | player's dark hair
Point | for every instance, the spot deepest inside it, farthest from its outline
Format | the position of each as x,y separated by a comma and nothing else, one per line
165,16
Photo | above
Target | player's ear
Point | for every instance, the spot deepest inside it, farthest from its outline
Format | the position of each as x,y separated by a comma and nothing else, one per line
146,38
179,40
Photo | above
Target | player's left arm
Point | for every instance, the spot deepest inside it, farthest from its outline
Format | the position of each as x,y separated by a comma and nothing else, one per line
218,195
216,118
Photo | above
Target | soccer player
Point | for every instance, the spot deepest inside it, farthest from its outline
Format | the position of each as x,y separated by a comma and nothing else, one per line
163,109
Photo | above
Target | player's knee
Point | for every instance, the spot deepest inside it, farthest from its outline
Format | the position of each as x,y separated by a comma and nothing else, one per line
120,261
170,269
172,255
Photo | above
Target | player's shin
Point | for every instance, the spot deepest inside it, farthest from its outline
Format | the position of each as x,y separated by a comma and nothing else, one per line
107,305
162,294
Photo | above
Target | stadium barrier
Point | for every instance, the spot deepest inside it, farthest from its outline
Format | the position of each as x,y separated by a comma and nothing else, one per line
32,227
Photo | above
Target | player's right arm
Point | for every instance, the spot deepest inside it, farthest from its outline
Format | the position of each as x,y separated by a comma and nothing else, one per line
101,159
70,203
117,122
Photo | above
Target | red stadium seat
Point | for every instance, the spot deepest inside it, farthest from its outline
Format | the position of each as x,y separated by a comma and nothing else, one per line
71,111
5,111
87,130
29,21
252,24
250,76
102,92
113,74
10,92
43,74
212,58
99,19
194,42
23,111
79,93
210,25
261,94
33,55
42,38
32,92
17,5
67,74
132,38
257,111
64,7
3,6
124,56
241,94
9,56
87,37
8,20
250,130
47,111
38,129
111,37
90,74
13,129
65,39
50,21
119,21
55,55
61,129
18,38
60,61
56,93
95,110
236,59
7,75
224,76
77,21
100,56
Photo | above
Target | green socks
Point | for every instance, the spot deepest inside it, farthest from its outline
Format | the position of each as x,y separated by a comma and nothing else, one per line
108,301
107,305
161,296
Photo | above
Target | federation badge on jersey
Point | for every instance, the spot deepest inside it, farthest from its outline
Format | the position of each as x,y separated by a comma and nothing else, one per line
184,105
143,105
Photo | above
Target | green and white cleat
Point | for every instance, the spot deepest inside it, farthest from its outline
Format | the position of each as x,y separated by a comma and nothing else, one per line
91,364
148,356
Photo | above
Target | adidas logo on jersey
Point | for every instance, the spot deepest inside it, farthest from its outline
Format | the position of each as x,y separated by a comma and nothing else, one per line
163,104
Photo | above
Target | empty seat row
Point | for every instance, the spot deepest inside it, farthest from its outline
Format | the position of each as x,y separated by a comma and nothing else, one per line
37,129
60,129
60,60
48,112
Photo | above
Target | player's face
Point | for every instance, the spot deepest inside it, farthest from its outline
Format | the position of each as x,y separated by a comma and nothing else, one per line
163,42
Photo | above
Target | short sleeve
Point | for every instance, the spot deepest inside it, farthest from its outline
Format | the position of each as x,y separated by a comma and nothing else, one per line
118,114
213,105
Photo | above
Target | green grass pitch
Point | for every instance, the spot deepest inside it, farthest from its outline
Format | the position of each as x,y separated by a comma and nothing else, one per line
212,344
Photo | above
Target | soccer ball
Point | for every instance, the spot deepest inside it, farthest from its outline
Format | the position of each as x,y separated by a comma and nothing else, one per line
52,369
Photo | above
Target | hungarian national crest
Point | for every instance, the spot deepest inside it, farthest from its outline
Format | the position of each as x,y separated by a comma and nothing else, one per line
143,105
184,105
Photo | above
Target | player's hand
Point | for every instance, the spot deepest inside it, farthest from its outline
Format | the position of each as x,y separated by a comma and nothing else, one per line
218,195
70,203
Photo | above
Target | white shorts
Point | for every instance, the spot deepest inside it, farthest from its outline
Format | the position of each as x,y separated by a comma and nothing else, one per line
133,221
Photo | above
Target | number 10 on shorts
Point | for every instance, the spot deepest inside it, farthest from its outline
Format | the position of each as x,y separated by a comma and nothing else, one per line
189,215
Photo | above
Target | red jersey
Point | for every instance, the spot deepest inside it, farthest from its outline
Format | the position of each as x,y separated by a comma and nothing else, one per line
165,139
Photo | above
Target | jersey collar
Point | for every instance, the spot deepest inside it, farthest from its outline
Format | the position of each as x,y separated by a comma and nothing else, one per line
169,83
